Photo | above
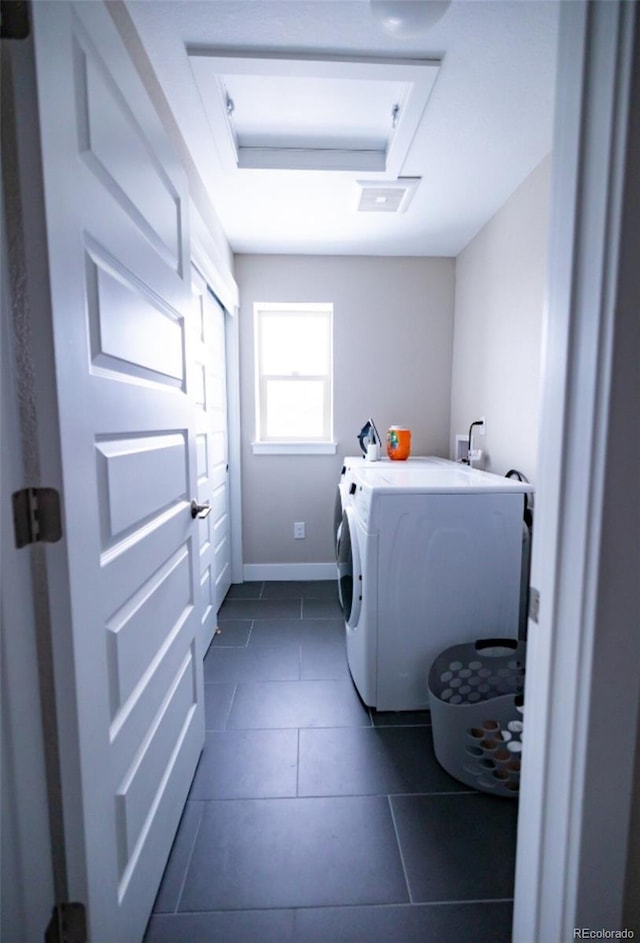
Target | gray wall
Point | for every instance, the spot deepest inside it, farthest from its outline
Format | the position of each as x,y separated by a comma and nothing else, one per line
500,299
393,328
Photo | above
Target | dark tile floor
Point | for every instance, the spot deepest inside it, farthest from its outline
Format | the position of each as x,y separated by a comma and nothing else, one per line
313,819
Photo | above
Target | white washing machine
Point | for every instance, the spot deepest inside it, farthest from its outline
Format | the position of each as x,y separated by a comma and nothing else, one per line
346,487
344,493
429,556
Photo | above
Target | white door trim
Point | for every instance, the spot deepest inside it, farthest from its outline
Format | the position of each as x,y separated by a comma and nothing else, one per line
28,880
205,255
226,290
583,686
232,340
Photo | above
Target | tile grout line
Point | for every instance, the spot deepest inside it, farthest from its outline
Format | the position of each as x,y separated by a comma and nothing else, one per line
376,905
189,859
399,844
231,702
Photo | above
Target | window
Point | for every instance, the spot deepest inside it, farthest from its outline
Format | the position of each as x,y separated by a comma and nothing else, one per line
294,377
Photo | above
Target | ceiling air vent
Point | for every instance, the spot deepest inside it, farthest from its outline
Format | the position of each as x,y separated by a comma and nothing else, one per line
386,196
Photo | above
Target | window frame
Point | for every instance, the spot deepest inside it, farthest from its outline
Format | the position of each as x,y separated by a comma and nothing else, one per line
294,444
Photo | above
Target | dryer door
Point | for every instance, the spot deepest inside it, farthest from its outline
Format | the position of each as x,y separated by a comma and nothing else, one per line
349,569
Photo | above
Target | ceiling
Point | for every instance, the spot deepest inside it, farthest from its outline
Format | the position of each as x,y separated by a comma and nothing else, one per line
486,125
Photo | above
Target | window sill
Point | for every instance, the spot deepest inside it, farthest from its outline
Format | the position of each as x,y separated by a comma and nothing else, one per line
294,448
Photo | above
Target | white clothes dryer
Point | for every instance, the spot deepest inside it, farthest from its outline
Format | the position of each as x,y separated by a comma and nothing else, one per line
429,556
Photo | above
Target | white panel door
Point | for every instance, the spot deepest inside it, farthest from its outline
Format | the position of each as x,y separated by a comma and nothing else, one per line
210,382
128,672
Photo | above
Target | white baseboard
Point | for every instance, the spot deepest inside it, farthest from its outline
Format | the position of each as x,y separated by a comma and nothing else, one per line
257,572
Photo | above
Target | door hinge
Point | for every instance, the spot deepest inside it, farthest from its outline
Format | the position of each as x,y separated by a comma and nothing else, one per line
36,516
534,604
68,924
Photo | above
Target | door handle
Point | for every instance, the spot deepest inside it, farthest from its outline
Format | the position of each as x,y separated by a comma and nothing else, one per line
200,510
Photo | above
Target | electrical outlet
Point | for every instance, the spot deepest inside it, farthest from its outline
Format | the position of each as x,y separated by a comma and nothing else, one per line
482,430
298,530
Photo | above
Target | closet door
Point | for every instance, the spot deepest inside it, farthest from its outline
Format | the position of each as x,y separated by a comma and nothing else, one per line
210,386
125,577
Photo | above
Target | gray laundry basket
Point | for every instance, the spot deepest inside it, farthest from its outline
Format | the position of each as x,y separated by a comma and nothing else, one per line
476,700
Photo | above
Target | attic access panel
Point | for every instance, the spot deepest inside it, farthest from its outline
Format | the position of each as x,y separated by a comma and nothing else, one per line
312,113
